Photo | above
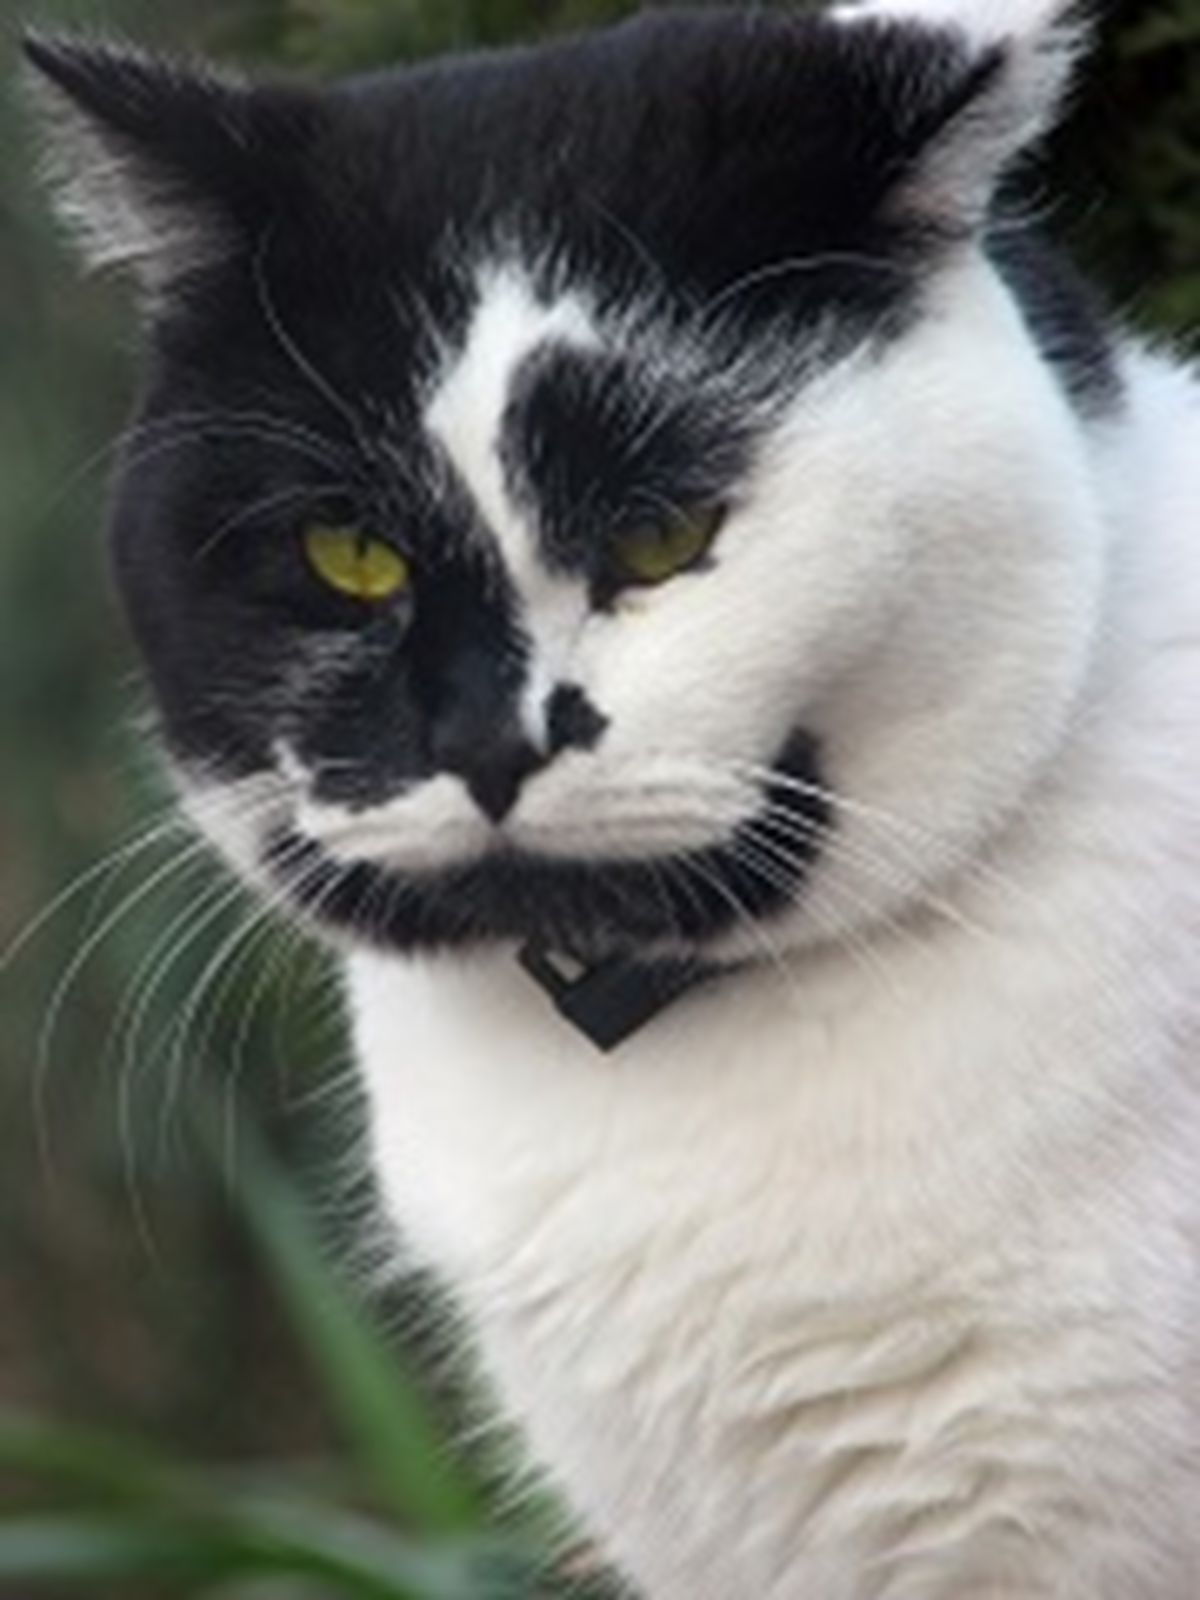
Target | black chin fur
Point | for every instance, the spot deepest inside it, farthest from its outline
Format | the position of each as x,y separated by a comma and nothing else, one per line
590,908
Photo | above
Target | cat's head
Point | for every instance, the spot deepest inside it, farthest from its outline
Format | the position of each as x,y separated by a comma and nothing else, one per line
621,493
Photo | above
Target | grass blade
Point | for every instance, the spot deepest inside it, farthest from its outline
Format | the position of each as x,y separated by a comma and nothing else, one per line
385,1417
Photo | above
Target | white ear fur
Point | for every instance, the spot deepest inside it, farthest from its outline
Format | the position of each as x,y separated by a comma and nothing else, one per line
1035,44
125,209
118,218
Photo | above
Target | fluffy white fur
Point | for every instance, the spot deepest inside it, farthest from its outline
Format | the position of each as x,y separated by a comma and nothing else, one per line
872,1270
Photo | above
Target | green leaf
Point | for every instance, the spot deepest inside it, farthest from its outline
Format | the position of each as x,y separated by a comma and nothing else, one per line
1173,31
103,1549
382,1411
222,1542
87,1464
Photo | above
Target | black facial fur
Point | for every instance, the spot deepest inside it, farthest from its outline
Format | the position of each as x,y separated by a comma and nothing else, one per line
1063,316
591,909
590,445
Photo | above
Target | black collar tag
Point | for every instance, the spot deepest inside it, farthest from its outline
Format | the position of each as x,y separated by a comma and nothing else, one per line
613,999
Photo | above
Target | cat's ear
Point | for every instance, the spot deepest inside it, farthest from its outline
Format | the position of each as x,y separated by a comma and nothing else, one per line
998,74
160,169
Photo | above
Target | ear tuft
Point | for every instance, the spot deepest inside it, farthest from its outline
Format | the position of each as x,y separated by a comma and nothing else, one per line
1017,58
135,149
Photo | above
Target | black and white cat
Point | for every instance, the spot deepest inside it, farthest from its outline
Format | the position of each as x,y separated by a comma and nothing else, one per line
632,538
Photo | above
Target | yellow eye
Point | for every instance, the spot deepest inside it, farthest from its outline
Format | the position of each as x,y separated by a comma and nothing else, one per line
355,564
652,552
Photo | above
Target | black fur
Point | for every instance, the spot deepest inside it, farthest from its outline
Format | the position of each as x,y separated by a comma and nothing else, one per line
594,440
591,909
1063,315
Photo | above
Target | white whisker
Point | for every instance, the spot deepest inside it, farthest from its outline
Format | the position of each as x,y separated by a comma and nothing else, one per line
771,863
292,350
298,493
110,865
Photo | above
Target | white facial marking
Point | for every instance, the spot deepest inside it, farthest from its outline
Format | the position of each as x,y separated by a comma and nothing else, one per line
433,827
238,814
466,411
465,416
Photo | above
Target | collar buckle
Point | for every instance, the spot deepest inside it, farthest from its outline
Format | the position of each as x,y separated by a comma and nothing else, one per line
610,1000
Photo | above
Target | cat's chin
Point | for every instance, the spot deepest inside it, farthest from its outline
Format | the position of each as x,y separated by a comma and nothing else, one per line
666,904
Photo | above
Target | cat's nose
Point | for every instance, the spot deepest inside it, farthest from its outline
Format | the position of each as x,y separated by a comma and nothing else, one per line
494,768
496,778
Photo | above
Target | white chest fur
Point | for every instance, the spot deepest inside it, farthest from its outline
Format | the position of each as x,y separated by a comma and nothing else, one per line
877,1273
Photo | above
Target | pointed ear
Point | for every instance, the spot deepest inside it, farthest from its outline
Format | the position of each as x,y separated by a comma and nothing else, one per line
999,71
160,169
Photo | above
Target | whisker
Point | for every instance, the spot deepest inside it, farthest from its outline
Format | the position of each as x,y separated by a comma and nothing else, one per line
916,848
109,865
784,825
772,777
164,957
186,929
292,350
795,266
43,1052
235,424
183,427
257,508
194,852
914,892
770,863
215,901
638,247
246,942
255,931
918,851
753,925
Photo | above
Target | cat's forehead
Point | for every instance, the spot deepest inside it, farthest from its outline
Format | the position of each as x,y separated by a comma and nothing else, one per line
479,379
561,414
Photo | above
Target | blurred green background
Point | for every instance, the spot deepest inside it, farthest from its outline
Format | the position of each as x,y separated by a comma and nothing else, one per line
191,1402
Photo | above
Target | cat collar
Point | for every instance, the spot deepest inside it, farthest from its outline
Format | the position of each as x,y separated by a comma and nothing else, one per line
609,1000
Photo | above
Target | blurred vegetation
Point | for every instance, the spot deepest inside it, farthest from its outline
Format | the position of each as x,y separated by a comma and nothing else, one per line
1130,158
190,1402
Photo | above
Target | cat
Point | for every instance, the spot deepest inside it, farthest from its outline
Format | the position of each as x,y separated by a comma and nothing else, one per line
638,540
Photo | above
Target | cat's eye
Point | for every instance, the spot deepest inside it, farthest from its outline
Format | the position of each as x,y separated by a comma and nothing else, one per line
651,552
356,564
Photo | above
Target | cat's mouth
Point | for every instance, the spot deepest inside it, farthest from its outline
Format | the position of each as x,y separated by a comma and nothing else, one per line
669,904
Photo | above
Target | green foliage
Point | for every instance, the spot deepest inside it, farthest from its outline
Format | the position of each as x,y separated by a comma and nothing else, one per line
344,35
1133,149
98,1508
394,1434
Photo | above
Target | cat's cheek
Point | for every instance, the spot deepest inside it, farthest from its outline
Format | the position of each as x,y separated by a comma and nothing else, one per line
237,816
694,672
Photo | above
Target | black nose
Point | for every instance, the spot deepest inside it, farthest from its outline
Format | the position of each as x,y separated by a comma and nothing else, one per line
496,775
493,764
